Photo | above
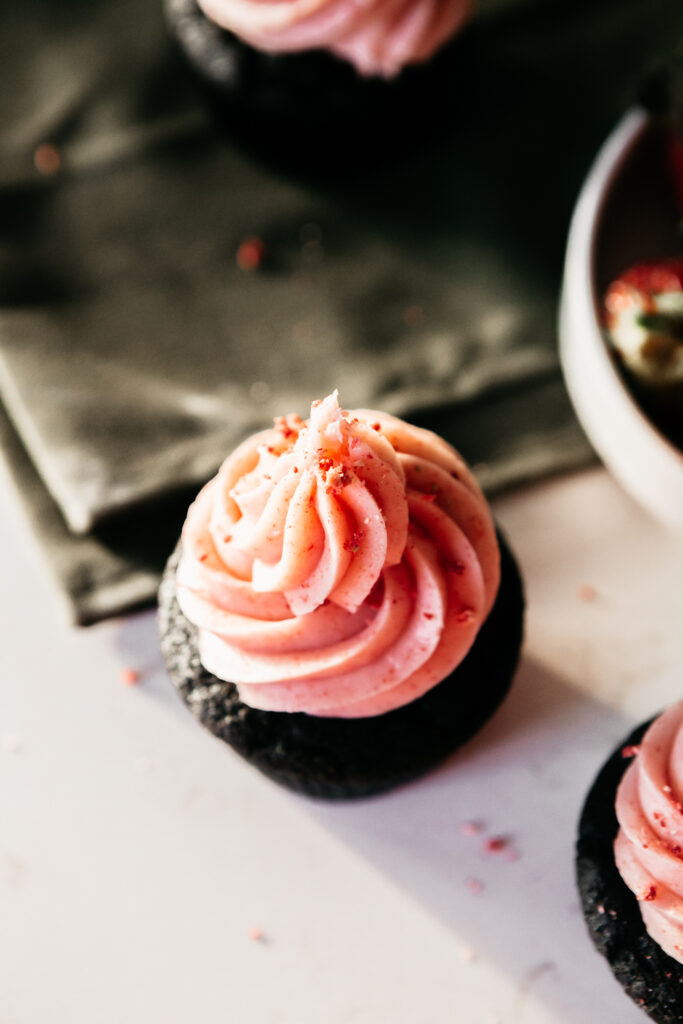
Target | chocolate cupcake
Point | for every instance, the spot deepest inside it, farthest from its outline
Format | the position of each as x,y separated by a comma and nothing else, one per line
300,72
630,865
339,609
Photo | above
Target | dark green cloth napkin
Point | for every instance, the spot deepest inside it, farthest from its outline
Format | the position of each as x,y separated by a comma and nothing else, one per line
134,352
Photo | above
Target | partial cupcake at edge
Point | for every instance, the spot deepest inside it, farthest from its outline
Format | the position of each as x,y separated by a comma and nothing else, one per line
340,609
313,64
630,865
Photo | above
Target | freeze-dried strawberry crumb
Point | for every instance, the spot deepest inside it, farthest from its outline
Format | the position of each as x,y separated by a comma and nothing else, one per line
47,158
495,844
452,565
337,479
250,253
352,543
287,426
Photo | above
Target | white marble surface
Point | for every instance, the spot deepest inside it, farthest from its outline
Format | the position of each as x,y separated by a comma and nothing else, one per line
137,852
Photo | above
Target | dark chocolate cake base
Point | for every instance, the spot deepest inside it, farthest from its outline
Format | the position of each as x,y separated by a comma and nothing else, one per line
651,978
340,757
311,105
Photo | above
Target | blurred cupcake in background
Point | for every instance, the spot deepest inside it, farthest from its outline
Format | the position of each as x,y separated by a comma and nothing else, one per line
306,68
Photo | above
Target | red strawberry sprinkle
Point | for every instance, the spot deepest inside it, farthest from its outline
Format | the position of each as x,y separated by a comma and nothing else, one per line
250,253
495,844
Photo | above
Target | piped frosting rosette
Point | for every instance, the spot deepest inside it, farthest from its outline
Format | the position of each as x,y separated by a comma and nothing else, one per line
378,36
340,567
649,845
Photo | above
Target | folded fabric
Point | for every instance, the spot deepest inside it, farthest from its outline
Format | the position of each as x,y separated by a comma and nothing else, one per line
134,350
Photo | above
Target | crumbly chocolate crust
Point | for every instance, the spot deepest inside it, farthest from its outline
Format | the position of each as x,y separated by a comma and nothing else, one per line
338,757
651,978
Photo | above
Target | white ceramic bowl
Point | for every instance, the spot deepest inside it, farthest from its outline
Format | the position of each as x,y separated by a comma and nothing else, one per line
622,217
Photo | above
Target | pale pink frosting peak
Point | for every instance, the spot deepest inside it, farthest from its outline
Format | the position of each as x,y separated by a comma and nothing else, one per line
649,845
340,567
378,36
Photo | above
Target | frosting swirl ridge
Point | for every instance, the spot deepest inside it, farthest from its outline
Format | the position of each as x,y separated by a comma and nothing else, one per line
378,36
341,566
648,848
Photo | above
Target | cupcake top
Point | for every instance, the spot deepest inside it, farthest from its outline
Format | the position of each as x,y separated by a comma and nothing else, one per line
340,566
379,37
649,845
644,310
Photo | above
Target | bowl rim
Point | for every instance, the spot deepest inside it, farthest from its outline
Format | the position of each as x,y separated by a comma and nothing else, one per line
646,462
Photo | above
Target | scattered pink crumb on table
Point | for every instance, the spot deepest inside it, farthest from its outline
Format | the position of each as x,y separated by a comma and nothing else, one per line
250,253
475,885
587,593
495,844
47,158
467,954
129,676
471,828
256,934
502,845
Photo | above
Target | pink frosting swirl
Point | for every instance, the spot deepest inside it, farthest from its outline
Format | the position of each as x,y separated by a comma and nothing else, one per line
340,567
649,845
378,36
